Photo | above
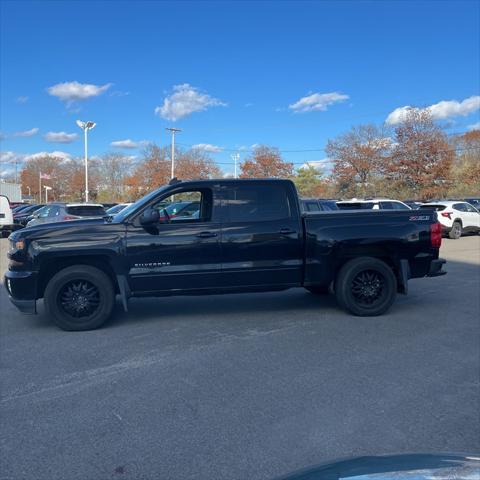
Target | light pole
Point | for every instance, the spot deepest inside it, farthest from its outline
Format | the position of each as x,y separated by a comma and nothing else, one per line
46,192
86,126
235,157
174,131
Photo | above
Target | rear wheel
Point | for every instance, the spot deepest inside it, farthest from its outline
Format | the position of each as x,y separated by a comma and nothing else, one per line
366,287
79,297
456,231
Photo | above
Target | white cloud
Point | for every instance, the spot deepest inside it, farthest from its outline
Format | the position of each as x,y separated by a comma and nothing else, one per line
118,93
57,154
325,164
74,91
10,157
474,126
439,111
207,147
184,101
129,144
21,99
26,133
317,102
60,137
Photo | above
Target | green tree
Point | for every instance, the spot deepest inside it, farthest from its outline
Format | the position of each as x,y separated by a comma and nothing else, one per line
309,181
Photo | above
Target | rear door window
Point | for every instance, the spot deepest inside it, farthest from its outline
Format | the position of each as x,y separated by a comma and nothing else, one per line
258,203
460,207
86,211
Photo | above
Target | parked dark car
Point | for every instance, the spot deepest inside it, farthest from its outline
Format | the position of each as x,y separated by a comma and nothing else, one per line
317,205
60,212
473,201
21,218
248,236
20,207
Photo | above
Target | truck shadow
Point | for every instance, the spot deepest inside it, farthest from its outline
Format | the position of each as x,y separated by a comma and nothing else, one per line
461,282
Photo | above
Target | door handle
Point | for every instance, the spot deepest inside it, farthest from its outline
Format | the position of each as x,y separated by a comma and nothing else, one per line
286,231
206,235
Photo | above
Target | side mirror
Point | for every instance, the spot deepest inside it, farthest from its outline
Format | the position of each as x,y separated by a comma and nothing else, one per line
150,216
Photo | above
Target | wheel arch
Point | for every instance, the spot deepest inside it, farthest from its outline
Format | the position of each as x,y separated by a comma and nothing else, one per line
51,266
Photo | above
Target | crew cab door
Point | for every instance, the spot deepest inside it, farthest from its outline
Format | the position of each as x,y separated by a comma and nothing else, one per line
180,251
262,235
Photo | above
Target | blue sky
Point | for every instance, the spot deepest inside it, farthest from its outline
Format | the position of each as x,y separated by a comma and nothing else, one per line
287,74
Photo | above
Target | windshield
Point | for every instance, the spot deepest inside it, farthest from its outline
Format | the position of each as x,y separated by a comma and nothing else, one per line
126,212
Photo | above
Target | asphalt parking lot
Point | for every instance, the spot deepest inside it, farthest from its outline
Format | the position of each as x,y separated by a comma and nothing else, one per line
249,386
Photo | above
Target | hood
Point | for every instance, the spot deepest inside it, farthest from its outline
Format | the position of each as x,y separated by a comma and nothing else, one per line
396,467
69,225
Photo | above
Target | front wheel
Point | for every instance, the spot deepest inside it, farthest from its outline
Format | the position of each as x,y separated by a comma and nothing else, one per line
79,297
366,287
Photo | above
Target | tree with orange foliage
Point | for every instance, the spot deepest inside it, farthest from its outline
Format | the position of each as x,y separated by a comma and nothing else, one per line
154,169
265,162
359,159
422,156
66,177
466,166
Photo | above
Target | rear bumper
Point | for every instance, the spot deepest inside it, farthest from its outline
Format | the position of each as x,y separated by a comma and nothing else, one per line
21,289
436,268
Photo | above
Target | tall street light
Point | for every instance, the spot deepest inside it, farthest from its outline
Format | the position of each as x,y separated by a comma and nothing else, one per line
174,131
235,157
86,126
46,192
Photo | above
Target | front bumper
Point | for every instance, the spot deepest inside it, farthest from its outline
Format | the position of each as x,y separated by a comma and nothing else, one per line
6,229
436,268
21,288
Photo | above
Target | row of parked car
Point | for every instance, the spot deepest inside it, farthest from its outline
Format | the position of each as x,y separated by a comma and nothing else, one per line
20,215
456,216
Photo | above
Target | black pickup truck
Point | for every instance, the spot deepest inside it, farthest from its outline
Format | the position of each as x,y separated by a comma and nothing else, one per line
219,236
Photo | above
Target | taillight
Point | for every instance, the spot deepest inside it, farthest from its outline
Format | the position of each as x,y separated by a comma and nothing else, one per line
436,235
447,214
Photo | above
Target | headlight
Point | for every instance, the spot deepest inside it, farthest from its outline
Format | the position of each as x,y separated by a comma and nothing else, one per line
16,245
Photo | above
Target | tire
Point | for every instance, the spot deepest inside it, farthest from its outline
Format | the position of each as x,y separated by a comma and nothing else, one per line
366,287
456,231
79,298
318,290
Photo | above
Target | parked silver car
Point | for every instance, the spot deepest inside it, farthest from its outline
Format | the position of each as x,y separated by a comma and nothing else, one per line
60,212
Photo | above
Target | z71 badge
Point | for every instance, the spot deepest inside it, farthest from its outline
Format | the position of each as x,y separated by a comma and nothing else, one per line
416,218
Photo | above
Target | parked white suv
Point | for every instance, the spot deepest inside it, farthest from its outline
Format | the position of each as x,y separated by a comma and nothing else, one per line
456,217
6,217
372,204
